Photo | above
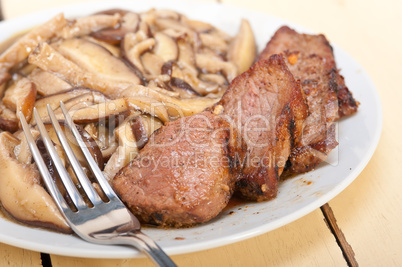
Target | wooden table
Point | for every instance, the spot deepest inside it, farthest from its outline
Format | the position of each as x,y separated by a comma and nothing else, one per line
368,212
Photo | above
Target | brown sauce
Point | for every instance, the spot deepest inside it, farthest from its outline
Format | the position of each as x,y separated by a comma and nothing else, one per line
235,203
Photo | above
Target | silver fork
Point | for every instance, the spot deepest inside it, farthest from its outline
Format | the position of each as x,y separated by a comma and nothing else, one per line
106,222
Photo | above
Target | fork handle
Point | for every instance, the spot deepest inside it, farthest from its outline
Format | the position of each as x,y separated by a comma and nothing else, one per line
145,244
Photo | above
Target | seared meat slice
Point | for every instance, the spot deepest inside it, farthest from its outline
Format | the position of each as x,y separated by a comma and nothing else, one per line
310,59
182,175
286,39
266,110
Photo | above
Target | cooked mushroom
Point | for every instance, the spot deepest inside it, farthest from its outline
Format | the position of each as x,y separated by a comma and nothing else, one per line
150,106
243,49
165,47
4,78
185,90
87,25
208,64
134,47
22,151
26,44
175,107
49,59
21,193
143,126
213,78
198,26
47,83
8,119
129,23
214,42
167,23
152,63
54,99
126,151
95,59
99,111
114,50
21,97
186,55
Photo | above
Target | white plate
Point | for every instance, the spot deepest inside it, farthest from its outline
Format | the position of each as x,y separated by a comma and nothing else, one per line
358,138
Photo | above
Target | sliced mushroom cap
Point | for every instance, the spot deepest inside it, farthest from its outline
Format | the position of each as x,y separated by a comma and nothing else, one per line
243,48
95,59
185,90
167,23
4,78
150,106
89,24
164,106
126,151
152,63
113,11
21,194
198,26
47,83
54,99
133,46
8,119
26,44
129,23
215,78
214,42
114,50
21,97
143,126
208,64
186,55
165,47
76,76
22,151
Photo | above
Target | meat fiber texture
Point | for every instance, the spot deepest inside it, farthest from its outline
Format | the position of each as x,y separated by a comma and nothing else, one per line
266,110
311,61
286,39
182,176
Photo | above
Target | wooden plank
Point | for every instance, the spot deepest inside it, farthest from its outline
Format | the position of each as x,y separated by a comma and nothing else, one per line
12,256
305,242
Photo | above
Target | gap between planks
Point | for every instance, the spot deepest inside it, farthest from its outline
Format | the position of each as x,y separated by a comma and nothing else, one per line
347,250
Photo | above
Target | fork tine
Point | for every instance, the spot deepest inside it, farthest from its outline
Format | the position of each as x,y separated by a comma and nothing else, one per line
104,184
50,184
68,184
79,172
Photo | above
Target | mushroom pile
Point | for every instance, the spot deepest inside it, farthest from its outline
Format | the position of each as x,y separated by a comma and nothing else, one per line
122,75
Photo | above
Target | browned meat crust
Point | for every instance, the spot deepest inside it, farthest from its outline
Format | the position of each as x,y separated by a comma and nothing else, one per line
286,39
310,59
266,109
182,175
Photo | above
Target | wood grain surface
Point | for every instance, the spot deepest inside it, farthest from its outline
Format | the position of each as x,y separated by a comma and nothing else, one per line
368,212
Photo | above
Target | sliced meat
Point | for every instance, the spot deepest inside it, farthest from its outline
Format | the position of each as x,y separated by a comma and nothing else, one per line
266,110
286,39
310,59
182,175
